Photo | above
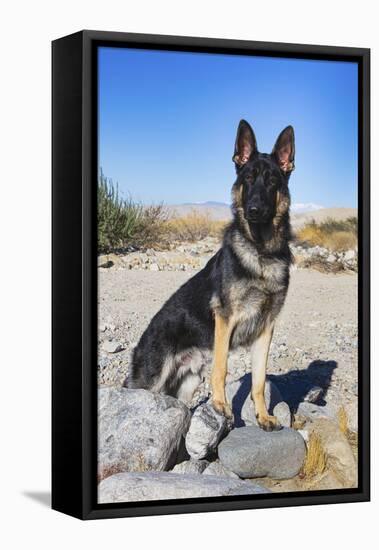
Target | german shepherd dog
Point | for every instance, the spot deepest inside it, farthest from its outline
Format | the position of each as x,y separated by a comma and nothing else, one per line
234,300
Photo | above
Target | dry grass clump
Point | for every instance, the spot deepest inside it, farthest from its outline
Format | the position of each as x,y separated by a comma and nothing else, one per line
337,235
343,421
343,424
316,459
340,240
194,226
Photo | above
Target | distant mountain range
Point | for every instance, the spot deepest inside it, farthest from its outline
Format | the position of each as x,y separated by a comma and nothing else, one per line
216,210
297,207
300,207
206,203
301,212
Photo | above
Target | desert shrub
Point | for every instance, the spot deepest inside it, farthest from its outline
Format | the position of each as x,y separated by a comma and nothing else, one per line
122,222
310,233
334,234
194,226
331,225
152,228
340,240
117,218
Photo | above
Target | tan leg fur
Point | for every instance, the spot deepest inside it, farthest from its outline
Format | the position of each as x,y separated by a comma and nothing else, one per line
259,356
223,330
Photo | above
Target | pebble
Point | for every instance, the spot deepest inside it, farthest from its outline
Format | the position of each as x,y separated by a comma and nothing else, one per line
112,346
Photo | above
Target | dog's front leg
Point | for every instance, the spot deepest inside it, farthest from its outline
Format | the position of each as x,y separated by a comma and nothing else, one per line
223,330
259,357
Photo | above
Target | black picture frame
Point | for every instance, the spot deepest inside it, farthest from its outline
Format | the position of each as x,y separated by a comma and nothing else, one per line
74,267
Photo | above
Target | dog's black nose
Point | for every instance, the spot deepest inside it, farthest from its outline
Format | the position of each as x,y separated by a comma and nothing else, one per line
253,210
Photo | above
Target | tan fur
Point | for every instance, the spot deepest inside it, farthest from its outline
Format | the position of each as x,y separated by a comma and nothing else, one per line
282,207
238,207
259,357
223,330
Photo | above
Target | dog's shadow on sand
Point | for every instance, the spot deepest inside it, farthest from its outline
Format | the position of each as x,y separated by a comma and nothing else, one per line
293,387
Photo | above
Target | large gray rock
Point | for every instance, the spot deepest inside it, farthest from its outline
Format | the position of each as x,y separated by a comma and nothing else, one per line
238,395
139,430
339,453
132,487
251,452
206,429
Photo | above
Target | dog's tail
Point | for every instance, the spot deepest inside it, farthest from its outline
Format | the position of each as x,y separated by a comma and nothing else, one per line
136,378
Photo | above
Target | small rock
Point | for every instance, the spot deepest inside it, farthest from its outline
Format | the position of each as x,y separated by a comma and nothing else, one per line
238,395
218,469
310,411
349,255
191,466
104,261
205,431
251,452
314,394
133,487
283,414
111,346
154,267
106,326
331,258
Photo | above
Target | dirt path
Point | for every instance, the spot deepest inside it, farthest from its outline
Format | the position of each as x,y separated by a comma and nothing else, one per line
315,340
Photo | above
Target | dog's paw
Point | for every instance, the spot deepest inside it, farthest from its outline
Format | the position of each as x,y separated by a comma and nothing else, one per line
221,407
269,423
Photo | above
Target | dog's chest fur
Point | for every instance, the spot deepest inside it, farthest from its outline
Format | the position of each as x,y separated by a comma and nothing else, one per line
256,299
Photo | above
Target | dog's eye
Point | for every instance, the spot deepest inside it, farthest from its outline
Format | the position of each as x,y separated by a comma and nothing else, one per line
256,172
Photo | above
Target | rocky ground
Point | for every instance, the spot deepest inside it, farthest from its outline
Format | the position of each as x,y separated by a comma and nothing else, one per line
315,339
190,256
313,358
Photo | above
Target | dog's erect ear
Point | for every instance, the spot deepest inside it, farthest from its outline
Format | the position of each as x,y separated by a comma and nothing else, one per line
284,150
246,144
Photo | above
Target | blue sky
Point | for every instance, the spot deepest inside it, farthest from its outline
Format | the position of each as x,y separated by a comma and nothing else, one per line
167,123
